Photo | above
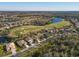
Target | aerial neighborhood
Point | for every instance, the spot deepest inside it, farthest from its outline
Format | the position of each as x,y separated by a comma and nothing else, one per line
38,34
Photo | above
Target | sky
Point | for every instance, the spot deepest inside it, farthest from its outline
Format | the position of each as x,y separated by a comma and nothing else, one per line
39,6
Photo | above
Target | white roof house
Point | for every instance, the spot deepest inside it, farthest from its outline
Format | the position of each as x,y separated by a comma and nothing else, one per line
77,24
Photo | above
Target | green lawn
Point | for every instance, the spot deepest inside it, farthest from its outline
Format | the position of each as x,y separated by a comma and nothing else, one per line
26,29
59,24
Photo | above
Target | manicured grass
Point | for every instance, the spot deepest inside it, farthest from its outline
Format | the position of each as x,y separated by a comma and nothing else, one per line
26,29
58,25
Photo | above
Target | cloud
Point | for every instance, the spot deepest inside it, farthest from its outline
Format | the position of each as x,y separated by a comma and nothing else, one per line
14,8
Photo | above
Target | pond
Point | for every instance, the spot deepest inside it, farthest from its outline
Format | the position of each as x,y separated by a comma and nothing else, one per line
3,39
55,20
